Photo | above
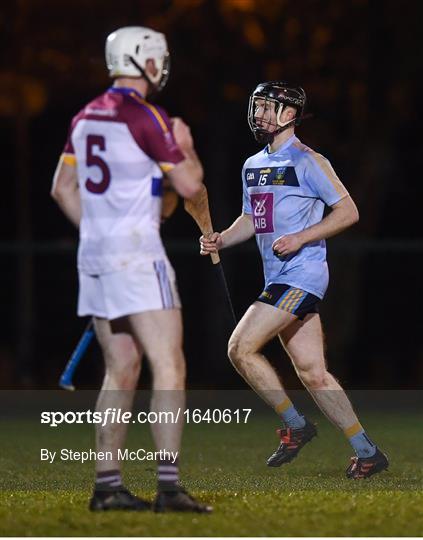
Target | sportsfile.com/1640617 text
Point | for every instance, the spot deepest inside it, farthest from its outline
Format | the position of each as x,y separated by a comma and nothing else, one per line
117,416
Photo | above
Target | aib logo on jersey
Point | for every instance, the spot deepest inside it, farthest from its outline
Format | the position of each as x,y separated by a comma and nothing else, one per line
262,205
259,208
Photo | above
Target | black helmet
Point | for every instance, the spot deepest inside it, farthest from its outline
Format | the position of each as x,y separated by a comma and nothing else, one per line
280,93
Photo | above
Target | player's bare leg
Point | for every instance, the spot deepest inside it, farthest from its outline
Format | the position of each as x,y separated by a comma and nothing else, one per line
259,325
304,343
160,335
122,359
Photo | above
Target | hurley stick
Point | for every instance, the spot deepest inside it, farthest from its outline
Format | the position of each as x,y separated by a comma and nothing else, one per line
198,208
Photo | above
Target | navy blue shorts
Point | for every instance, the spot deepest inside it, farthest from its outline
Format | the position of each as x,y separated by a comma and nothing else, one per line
296,301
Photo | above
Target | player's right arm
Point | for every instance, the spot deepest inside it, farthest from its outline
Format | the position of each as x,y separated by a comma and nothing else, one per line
65,189
187,176
169,143
241,230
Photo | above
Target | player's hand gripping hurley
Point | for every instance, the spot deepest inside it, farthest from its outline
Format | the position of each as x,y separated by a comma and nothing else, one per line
198,209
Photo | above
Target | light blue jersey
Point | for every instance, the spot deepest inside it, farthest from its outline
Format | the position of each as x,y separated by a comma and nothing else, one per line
286,192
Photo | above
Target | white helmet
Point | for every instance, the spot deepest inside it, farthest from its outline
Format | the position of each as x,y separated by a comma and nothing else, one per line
129,48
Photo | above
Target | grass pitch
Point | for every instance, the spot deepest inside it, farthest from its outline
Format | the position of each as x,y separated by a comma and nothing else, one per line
225,466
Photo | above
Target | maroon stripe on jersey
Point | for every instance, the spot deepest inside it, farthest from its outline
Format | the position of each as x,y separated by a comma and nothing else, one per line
114,106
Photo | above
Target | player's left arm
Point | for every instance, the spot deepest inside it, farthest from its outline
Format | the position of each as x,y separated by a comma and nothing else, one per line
322,181
65,190
343,214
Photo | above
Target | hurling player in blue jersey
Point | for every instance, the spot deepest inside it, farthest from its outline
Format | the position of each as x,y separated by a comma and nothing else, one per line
286,187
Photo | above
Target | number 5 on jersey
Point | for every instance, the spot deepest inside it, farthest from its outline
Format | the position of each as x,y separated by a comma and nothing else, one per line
97,143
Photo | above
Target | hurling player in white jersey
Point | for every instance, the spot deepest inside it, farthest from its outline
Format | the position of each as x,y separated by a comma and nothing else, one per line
109,183
285,189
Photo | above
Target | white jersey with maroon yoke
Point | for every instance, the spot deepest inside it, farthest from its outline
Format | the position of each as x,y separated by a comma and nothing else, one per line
121,145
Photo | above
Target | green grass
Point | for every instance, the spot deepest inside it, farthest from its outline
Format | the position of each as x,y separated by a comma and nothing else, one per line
223,465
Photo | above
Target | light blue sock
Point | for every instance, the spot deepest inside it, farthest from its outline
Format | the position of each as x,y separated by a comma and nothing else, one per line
363,446
290,416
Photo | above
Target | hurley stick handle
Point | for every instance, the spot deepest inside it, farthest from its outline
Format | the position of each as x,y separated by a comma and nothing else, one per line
198,209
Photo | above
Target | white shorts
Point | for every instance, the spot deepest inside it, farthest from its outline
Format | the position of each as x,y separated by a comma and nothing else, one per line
145,286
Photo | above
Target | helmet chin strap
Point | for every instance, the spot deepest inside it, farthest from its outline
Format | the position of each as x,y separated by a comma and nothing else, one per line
143,72
267,137
286,124
263,136
295,119
283,125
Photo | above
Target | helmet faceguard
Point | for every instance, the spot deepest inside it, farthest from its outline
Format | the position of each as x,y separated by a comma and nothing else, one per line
275,94
128,49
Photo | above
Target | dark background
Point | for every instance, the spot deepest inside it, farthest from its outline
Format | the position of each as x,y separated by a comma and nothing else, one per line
359,62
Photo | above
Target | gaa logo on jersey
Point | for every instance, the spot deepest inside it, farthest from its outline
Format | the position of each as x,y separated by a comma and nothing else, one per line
262,205
250,177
